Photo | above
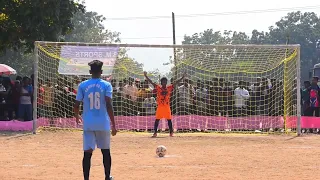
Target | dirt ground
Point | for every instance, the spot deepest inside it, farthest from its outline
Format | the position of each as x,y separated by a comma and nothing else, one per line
58,155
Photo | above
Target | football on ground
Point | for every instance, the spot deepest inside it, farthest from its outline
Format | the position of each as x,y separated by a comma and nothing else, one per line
161,151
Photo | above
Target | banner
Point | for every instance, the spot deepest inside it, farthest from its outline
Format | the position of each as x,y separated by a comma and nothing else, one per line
74,59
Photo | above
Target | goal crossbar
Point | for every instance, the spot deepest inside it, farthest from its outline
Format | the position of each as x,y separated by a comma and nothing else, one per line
194,46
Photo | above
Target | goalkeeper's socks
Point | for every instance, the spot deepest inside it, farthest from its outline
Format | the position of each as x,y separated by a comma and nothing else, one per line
170,126
106,162
156,124
86,164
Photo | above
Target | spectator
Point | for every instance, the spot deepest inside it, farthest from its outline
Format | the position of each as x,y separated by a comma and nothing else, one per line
186,95
228,98
130,91
15,100
32,80
305,98
314,98
25,107
5,89
2,96
40,99
241,96
149,104
48,100
119,99
142,93
201,97
19,78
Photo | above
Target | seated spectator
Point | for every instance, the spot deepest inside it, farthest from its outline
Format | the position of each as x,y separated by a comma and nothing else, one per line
25,107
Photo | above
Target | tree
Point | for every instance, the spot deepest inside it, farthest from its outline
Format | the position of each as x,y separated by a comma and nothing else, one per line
216,38
20,61
24,21
300,28
88,28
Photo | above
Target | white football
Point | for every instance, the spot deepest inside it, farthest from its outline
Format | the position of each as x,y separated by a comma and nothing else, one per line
161,151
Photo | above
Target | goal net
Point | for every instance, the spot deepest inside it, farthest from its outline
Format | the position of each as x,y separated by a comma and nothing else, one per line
237,88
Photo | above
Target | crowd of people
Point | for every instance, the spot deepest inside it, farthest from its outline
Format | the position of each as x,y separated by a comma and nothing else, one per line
133,97
16,98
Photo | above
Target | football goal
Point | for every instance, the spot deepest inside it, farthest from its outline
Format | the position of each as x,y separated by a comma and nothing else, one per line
228,88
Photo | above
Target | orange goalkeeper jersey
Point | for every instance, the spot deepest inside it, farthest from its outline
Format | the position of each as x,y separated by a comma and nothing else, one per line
163,95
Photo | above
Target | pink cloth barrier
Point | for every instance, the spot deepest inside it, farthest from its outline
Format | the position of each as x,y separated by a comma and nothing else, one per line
15,126
179,122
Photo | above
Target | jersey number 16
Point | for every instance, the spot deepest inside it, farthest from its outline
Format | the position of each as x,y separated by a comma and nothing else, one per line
94,99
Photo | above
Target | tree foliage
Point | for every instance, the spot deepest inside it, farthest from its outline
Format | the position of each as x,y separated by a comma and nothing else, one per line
297,27
88,28
24,21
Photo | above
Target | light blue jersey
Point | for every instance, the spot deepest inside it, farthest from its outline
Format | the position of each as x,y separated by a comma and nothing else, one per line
92,93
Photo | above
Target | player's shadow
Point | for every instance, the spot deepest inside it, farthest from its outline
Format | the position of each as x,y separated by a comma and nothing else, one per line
292,138
14,134
158,137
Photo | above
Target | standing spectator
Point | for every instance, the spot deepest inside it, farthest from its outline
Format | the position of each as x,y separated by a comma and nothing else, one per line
314,98
173,98
119,99
15,100
32,80
25,107
228,98
48,101
130,91
19,78
3,96
40,99
220,96
115,91
264,97
142,95
305,98
201,98
149,104
211,103
215,92
186,94
241,96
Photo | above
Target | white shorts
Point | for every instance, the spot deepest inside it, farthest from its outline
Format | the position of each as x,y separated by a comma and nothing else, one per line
93,139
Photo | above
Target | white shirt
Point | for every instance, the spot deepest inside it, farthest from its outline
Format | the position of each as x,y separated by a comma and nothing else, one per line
241,95
2,88
201,94
150,105
185,94
25,99
131,91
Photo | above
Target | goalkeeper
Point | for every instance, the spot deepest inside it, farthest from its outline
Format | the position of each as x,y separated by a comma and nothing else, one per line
163,102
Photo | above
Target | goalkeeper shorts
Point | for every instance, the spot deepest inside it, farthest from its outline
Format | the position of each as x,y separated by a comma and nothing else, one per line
163,112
